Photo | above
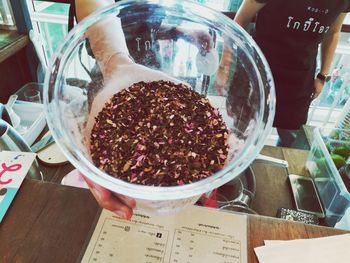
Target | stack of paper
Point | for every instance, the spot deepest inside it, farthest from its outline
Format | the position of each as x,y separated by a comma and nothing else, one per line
335,249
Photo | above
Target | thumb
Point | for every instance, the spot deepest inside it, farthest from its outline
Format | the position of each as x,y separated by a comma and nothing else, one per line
99,192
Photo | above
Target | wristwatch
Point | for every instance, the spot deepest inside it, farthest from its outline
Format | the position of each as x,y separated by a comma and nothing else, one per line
323,77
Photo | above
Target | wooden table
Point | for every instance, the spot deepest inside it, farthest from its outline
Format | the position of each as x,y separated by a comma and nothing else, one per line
48,222
272,182
272,185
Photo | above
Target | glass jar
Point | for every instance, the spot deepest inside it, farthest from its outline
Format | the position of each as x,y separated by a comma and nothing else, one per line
242,89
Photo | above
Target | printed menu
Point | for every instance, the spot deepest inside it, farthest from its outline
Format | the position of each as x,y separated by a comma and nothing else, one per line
195,235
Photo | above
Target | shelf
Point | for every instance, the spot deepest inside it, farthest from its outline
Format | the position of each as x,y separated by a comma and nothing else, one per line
11,42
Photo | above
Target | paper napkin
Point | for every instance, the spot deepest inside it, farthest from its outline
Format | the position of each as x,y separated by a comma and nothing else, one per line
333,249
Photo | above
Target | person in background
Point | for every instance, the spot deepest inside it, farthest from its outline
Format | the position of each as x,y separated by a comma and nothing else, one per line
145,46
142,39
120,69
289,34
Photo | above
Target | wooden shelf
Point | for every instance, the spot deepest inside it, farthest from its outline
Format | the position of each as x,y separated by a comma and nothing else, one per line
11,42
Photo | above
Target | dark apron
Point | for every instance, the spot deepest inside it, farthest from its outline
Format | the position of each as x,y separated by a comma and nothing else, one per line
288,33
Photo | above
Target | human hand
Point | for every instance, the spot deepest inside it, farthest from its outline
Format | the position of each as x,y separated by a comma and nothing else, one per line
222,81
318,86
119,204
203,41
119,74
200,38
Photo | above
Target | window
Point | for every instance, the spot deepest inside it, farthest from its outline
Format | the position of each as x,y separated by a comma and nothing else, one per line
222,5
327,108
6,17
50,20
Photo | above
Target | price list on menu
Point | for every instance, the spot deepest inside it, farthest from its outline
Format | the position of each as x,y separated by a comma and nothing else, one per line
195,235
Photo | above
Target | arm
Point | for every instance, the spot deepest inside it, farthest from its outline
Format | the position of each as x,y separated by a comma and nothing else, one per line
106,41
244,16
106,38
86,7
328,46
108,44
200,38
247,12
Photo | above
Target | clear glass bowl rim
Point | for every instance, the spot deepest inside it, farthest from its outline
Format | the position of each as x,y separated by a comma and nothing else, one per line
76,158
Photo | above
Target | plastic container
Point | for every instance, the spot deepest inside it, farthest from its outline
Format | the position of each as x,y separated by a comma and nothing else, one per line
332,191
30,112
32,118
29,87
246,99
11,140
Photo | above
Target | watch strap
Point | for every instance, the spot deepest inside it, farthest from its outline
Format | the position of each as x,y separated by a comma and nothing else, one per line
323,77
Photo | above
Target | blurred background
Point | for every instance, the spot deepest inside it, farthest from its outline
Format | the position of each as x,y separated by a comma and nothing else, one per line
48,21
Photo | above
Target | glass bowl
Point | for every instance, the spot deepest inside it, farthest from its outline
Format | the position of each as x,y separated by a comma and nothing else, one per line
233,75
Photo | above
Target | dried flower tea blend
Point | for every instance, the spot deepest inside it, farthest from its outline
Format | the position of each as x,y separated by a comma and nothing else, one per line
160,134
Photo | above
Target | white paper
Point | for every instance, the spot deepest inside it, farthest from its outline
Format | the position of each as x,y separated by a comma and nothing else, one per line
195,235
334,249
344,222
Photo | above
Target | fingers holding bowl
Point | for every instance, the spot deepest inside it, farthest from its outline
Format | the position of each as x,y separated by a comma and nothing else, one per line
121,205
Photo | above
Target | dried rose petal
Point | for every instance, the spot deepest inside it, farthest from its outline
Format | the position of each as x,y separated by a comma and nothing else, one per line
159,133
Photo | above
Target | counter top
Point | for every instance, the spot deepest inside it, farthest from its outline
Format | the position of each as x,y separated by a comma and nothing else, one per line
272,184
48,222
